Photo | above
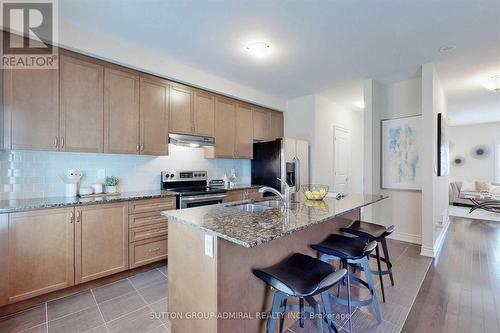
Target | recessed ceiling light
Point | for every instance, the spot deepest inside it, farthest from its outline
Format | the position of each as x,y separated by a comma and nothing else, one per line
447,48
493,83
360,104
258,49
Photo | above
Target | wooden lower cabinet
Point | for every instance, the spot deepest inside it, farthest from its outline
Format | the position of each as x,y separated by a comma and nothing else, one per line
148,251
101,246
40,253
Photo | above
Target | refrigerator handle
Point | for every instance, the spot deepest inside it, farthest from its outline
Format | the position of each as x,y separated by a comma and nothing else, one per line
297,174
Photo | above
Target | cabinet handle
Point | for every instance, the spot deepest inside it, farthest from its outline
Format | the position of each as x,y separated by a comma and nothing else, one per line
138,147
154,250
142,146
71,217
56,141
78,216
62,141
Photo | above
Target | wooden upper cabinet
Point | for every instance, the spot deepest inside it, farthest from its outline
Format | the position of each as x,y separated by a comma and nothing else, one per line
244,132
31,99
40,252
181,106
225,131
154,96
204,113
101,240
121,112
261,124
81,105
276,125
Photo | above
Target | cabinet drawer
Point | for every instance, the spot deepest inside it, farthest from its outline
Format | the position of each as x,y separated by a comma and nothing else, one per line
143,206
142,219
147,251
147,232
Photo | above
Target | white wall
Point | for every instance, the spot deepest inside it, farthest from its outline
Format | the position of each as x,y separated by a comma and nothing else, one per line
125,53
434,189
313,118
30,174
403,208
463,139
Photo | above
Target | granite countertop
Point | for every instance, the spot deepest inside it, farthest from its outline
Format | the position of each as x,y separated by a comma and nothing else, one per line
21,205
237,187
250,229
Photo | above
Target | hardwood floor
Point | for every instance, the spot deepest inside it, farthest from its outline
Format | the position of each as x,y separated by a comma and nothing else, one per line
461,292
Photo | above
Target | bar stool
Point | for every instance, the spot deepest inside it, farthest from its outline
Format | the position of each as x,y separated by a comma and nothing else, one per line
351,251
303,277
378,233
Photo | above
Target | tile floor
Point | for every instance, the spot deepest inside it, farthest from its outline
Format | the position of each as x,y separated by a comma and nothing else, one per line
128,305
125,306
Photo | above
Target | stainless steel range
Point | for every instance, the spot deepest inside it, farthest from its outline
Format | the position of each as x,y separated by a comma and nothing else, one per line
191,188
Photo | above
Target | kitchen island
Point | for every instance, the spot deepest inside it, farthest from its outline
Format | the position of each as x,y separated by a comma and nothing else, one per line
213,250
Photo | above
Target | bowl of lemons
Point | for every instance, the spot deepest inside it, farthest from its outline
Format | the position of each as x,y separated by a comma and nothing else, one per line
315,191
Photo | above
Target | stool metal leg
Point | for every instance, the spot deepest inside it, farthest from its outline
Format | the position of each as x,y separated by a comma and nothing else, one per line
276,310
317,312
327,305
377,252
387,259
369,279
349,300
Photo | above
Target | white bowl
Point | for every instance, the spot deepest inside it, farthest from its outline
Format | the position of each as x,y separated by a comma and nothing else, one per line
86,190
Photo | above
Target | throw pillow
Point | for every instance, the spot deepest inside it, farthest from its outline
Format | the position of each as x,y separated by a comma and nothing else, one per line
495,189
468,186
483,186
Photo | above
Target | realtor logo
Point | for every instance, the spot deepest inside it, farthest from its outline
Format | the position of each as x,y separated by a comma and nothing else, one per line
33,31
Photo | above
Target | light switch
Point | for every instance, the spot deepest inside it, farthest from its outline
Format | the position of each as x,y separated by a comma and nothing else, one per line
209,245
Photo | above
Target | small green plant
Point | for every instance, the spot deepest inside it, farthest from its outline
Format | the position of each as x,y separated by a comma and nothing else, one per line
111,181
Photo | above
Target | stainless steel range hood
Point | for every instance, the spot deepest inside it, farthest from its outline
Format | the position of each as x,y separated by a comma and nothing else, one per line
193,141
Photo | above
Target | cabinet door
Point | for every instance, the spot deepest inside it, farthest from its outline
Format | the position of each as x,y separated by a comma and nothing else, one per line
40,252
31,99
225,116
4,259
81,105
204,113
101,241
244,132
121,112
154,117
276,125
181,107
261,124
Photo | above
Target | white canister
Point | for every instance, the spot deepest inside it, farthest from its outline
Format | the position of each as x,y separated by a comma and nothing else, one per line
98,188
71,190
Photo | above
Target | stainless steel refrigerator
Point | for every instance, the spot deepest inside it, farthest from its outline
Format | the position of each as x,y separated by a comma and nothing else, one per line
283,158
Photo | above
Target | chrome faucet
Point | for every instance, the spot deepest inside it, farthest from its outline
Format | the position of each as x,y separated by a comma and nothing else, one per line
285,198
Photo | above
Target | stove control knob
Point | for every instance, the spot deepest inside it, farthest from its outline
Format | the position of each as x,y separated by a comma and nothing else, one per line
171,175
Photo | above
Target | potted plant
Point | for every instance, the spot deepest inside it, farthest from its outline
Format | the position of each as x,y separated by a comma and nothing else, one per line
111,182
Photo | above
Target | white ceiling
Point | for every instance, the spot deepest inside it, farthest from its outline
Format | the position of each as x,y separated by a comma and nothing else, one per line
318,46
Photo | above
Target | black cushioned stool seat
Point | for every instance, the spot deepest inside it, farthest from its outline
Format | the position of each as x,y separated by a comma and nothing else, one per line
303,277
375,232
351,251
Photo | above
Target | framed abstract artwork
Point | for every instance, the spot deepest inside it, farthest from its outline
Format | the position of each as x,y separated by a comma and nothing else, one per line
401,153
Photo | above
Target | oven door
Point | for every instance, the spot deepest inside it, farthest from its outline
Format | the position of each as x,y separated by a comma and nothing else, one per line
200,200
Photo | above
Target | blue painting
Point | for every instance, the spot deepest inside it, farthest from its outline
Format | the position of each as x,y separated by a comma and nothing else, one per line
401,153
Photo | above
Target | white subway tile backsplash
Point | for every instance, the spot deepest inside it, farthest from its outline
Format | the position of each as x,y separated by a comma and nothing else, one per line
30,174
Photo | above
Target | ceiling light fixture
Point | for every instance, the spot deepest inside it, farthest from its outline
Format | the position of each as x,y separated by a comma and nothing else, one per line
258,49
447,48
493,83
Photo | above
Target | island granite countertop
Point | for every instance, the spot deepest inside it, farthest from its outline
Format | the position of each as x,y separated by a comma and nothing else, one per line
250,229
21,205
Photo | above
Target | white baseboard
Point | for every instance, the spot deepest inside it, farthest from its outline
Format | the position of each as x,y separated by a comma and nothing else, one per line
432,252
404,237
427,251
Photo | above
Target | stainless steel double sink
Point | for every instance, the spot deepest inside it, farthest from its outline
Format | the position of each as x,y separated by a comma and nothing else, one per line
257,206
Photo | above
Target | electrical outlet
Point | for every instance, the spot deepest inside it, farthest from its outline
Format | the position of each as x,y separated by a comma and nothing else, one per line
209,245
101,173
